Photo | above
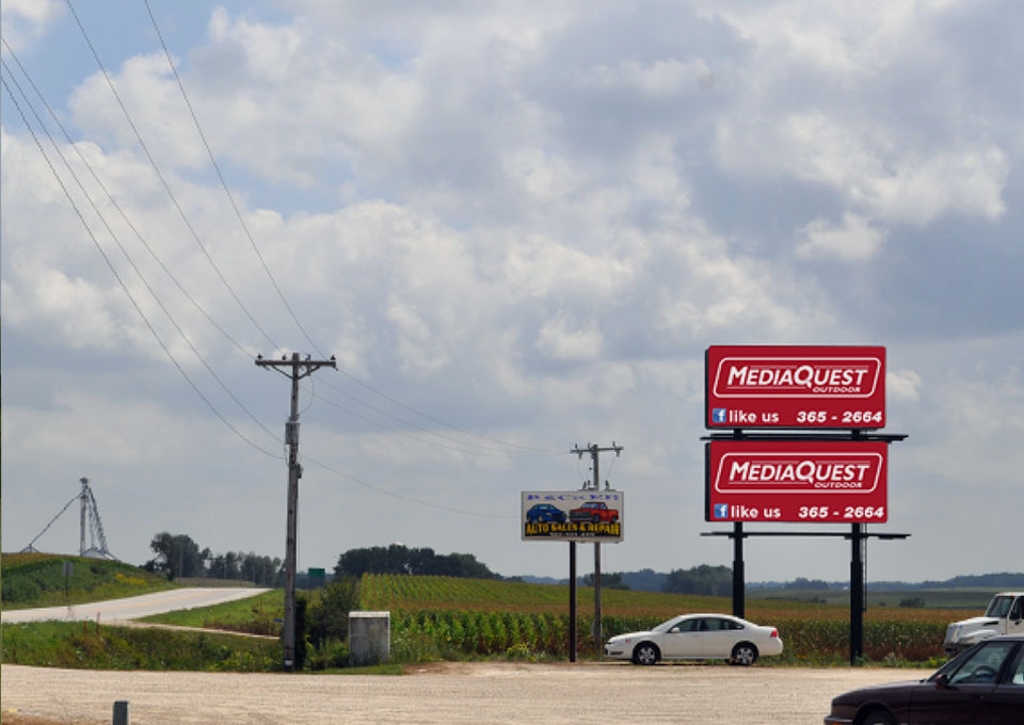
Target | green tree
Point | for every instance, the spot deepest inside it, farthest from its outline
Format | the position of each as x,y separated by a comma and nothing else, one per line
703,579
328,614
399,559
608,581
177,556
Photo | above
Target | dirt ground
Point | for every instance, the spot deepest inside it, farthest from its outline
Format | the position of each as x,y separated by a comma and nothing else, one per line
447,693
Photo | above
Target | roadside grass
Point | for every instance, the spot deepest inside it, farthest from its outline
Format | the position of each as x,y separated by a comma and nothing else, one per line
37,580
83,645
254,615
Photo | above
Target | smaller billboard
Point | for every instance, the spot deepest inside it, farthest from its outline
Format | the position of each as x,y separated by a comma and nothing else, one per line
582,515
795,386
797,481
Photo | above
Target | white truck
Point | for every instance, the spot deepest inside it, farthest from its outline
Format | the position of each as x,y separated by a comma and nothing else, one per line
1005,615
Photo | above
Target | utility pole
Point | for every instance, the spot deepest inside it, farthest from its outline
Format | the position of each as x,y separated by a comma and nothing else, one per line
295,369
595,452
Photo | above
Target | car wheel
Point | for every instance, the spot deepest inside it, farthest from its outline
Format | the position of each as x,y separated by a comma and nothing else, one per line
646,654
878,717
744,654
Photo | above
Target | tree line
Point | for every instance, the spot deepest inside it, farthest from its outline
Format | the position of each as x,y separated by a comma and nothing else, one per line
178,556
400,559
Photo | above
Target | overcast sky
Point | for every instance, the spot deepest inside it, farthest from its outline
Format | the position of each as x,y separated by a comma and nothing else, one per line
518,226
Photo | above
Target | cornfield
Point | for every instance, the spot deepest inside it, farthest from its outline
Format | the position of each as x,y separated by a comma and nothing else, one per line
447,618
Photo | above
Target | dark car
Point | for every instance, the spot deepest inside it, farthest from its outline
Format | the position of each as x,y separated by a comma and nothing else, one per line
983,686
545,513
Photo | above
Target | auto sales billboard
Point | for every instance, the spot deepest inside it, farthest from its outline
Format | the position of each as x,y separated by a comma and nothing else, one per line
582,515
830,481
763,386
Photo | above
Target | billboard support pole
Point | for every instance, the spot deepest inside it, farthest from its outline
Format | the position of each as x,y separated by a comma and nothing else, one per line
738,575
572,601
857,594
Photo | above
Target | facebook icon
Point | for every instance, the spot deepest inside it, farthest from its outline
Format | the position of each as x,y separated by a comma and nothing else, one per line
721,510
718,415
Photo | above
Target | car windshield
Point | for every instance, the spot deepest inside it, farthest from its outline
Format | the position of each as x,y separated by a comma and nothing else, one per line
666,626
999,607
981,665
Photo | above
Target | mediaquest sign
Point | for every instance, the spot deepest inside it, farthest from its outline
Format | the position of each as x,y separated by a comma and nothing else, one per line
824,387
797,481
587,515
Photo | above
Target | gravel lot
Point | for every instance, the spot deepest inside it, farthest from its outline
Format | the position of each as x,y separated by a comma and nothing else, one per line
444,693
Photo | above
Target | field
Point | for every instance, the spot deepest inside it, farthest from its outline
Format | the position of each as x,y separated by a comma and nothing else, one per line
447,618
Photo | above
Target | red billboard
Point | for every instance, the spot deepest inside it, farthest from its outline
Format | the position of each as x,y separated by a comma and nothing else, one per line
836,481
763,386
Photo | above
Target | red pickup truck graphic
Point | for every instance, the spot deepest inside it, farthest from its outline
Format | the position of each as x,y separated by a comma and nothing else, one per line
595,512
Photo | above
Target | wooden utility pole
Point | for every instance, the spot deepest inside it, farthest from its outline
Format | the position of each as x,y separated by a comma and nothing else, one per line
297,369
595,452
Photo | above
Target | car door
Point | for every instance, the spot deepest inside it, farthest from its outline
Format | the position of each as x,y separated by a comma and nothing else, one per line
1015,621
683,640
1008,696
719,637
966,695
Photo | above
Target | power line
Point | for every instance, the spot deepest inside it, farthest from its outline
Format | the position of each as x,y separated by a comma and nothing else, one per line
277,288
163,181
120,281
403,497
224,183
113,201
128,257
437,420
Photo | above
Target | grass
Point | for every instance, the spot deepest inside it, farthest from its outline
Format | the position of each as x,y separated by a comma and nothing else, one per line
255,615
37,580
83,645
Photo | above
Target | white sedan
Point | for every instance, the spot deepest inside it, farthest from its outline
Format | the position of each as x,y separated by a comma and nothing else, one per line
700,637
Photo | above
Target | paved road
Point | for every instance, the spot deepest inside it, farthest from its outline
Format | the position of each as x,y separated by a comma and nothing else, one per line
445,694
114,610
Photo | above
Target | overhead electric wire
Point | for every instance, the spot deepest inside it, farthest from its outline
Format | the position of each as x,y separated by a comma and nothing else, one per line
404,497
120,281
484,450
163,181
369,387
166,350
117,206
224,184
128,257
277,288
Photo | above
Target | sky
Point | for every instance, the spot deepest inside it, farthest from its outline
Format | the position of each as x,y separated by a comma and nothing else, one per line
518,226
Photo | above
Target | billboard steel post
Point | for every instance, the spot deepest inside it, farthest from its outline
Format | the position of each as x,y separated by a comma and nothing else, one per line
572,601
738,575
857,594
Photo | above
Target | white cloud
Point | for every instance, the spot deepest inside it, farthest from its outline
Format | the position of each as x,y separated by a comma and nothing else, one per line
854,240
903,385
25,21
562,339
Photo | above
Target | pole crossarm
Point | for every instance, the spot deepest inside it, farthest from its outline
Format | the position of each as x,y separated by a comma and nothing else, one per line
301,368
